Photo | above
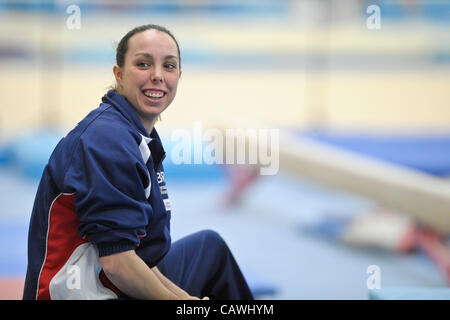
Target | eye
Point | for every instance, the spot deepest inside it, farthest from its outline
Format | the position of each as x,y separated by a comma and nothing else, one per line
170,66
143,64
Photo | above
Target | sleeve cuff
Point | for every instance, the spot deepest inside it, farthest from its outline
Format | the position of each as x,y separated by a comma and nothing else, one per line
106,249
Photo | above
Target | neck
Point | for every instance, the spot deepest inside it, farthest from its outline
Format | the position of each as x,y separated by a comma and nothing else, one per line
148,125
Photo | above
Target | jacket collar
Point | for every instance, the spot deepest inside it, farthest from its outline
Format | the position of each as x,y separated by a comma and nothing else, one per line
118,101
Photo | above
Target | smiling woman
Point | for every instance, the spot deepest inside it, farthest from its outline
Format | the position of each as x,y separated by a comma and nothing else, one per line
147,71
100,226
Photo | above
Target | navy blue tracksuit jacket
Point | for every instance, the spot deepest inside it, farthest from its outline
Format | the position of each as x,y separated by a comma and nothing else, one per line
103,192
93,200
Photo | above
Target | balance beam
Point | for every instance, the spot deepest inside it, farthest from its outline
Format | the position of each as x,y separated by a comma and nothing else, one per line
423,197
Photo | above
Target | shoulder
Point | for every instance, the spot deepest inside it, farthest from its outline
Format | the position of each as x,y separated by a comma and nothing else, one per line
103,139
107,127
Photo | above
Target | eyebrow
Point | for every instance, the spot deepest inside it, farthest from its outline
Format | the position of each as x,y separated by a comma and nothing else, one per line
149,56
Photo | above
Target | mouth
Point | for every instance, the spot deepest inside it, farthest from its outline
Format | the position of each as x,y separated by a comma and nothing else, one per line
154,95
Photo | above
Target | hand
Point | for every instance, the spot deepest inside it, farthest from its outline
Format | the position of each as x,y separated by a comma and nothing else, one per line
196,298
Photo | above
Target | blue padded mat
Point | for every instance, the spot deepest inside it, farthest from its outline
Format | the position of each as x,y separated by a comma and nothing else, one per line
258,284
429,153
13,250
410,294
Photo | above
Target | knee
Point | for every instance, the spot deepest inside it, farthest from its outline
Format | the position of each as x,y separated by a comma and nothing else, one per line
214,240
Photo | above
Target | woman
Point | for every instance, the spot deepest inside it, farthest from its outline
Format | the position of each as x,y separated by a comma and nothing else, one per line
100,222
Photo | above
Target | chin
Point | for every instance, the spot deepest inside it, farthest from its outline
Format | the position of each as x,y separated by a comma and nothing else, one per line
151,112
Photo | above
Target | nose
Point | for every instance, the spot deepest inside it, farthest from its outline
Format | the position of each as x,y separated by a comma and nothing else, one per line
156,75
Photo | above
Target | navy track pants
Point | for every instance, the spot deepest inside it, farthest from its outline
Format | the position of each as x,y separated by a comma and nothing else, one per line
203,265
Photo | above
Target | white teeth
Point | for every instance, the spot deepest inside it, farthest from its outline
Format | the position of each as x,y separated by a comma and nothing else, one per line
154,95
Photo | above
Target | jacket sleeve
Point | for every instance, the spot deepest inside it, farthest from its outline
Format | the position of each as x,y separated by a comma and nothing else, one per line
109,177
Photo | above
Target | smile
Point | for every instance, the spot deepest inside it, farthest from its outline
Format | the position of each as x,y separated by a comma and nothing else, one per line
153,93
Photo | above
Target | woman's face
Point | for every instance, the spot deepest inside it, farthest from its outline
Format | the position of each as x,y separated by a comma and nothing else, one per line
150,74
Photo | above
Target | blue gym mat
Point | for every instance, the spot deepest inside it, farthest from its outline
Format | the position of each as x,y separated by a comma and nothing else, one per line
410,294
428,153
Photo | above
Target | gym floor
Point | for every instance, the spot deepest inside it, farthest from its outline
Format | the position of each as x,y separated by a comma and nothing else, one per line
265,233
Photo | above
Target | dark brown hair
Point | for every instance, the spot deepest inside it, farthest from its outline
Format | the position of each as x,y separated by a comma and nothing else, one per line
122,47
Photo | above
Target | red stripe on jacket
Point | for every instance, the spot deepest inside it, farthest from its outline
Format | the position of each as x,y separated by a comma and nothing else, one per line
62,240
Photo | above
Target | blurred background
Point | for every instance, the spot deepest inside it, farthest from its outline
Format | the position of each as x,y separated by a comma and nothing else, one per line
370,76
